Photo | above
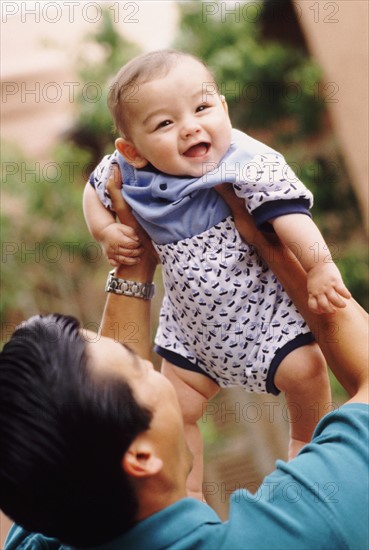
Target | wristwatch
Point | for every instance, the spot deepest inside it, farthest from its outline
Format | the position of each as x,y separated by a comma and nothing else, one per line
129,288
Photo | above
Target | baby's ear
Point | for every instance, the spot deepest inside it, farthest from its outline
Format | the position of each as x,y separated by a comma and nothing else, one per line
130,153
224,103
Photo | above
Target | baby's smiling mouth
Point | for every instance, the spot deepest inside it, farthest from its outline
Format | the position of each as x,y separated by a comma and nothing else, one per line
197,150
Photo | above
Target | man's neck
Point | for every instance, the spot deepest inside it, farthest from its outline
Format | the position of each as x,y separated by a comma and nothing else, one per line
153,499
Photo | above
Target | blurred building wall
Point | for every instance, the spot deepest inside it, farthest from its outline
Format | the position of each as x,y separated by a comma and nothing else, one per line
40,42
337,36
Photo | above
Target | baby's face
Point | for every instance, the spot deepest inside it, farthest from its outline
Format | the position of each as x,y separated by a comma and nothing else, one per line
180,124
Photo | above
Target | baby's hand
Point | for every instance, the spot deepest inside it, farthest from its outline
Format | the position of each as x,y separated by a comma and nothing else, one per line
326,289
120,244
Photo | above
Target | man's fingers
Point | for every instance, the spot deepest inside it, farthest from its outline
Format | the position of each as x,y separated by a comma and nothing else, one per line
122,252
122,260
120,207
125,243
114,187
125,256
124,213
227,193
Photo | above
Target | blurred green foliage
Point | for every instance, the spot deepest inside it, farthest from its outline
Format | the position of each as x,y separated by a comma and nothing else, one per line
94,128
264,81
49,261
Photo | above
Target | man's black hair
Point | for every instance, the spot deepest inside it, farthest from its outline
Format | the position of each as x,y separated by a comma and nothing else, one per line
63,433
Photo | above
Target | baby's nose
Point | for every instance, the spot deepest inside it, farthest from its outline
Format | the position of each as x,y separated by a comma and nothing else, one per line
190,128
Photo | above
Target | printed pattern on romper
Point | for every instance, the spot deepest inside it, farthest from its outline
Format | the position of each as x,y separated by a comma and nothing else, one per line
224,309
269,178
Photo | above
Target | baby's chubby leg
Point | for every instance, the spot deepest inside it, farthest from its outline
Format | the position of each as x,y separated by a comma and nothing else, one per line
303,377
193,391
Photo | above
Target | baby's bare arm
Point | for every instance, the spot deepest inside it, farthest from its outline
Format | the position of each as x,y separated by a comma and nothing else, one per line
96,215
325,286
120,243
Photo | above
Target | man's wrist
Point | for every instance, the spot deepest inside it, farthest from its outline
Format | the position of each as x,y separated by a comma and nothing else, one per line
142,272
127,287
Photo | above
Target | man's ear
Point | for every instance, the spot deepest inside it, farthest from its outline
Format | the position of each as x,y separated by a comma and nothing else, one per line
140,460
130,153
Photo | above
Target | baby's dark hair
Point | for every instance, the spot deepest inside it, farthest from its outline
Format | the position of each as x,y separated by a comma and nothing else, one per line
139,70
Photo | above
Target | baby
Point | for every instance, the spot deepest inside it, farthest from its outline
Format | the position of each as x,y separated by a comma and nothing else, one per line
225,320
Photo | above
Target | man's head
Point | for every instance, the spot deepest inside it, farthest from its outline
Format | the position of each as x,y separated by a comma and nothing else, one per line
169,113
78,445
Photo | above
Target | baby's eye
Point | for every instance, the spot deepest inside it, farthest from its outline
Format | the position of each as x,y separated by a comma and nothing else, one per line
201,107
163,124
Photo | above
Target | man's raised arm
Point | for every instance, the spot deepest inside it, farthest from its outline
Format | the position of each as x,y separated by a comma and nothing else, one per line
342,336
127,318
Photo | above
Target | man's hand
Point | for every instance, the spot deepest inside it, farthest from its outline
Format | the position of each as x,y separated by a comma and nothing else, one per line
326,288
263,242
132,228
242,218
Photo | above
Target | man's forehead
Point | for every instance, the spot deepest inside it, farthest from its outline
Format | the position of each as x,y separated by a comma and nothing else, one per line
107,355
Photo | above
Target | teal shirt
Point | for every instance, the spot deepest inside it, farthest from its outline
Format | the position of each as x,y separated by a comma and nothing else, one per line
319,500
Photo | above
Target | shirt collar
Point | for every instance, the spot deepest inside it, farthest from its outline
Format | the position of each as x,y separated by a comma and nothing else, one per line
166,527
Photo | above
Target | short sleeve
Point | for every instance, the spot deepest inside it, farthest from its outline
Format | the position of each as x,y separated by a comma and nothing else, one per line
271,189
100,176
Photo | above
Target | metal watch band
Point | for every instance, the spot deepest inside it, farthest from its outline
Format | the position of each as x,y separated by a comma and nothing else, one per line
129,288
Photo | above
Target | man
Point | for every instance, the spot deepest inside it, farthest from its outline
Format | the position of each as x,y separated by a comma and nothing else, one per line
92,449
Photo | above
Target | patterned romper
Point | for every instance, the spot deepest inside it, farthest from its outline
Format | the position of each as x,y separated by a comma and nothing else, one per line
224,313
